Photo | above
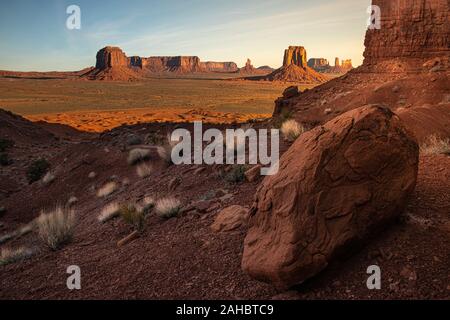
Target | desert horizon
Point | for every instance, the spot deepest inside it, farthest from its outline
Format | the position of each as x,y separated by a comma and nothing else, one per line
225,154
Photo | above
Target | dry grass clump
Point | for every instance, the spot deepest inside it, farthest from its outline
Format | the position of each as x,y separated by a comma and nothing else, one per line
48,178
133,216
435,145
291,130
110,211
148,203
56,227
107,189
167,207
8,256
137,155
143,170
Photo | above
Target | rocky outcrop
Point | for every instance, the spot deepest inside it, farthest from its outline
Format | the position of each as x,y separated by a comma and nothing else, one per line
295,69
211,66
413,29
338,184
322,65
248,68
318,64
230,219
113,65
295,55
110,57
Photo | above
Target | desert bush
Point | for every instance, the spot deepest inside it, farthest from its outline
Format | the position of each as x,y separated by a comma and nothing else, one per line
143,170
291,130
5,144
133,216
5,160
109,212
435,145
56,227
48,178
137,155
8,256
37,170
167,207
236,174
107,189
165,153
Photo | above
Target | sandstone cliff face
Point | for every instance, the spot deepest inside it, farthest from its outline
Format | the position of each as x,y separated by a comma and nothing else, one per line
295,55
109,57
409,29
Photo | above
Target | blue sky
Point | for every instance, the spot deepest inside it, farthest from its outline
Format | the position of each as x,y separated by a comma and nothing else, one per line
33,34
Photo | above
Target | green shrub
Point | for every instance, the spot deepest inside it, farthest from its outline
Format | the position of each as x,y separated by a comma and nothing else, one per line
37,170
4,160
132,216
236,174
5,144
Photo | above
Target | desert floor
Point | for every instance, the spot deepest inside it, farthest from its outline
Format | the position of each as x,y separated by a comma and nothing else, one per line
98,106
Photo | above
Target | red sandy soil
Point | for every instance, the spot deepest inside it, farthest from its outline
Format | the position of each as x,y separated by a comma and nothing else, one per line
99,121
181,257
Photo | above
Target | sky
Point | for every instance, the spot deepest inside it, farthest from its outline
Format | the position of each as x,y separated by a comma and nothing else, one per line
34,36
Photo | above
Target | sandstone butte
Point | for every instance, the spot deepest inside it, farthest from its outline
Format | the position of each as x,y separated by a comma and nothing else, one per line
295,68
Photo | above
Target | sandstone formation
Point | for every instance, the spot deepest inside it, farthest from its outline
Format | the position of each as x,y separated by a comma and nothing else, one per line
248,68
295,68
113,64
295,55
322,65
230,219
318,64
211,66
337,184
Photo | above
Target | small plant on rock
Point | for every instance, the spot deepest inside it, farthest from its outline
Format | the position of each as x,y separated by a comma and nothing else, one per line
291,130
37,170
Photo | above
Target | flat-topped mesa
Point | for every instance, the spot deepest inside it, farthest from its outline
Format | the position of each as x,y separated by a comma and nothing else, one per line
212,66
410,30
295,55
109,57
318,64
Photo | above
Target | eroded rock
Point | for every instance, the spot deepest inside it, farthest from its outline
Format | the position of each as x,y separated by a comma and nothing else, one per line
337,184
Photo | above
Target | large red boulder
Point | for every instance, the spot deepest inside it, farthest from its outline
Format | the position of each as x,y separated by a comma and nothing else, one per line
336,185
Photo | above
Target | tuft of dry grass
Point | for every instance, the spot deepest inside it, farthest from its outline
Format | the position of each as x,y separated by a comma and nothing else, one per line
143,170
167,207
133,216
137,155
109,212
107,189
148,203
435,145
8,256
56,227
291,130
48,178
